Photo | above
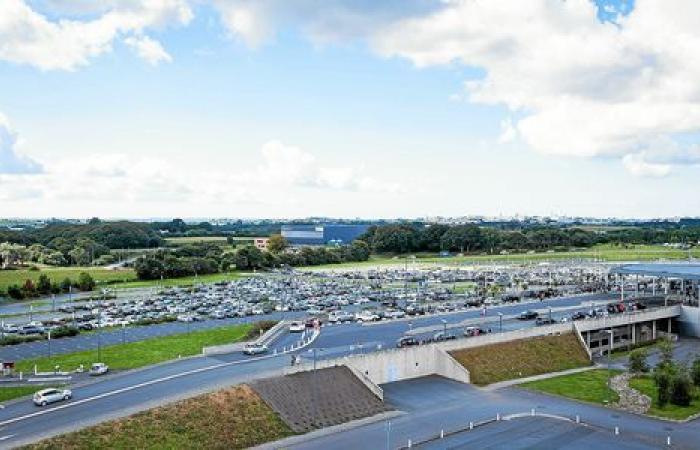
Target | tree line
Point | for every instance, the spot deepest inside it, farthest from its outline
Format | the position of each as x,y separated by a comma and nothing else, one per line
470,238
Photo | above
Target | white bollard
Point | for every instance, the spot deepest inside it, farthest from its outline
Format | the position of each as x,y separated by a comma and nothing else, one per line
409,443
617,430
578,419
471,425
498,417
442,434
668,440
532,412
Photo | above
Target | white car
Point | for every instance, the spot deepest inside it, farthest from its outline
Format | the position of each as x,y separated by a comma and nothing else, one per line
98,369
255,349
340,317
366,316
297,327
52,395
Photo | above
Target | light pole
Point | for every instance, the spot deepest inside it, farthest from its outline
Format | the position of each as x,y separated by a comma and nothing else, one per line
500,322
123,333
610,343
444,328
49,343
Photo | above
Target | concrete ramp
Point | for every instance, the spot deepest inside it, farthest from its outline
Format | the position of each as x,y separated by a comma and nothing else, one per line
319,398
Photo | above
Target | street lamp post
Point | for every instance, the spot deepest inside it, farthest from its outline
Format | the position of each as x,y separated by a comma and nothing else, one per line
123,333
444,328
500,322
48,340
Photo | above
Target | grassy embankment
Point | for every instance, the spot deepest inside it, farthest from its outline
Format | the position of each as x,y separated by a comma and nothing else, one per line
522,358
232,418
601,252
645,385
142,353
589,386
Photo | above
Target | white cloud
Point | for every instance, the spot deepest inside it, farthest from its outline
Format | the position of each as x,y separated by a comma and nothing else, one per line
508,132
28,37
582,87
148,49
12,162
636,164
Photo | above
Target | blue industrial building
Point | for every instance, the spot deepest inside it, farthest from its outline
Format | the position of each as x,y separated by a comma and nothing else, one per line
322,234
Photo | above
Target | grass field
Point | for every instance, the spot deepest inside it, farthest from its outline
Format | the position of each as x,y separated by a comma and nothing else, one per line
232,418
589,386
182,240
599,252
522,358
58,274
12,392
646,386
184,281
142,353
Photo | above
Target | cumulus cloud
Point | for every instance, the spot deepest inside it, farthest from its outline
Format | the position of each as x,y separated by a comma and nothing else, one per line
148,49
584,87
28,37
289,165
12,162
637,165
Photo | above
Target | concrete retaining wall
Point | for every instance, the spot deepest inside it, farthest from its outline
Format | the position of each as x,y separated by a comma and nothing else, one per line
397,364
496,338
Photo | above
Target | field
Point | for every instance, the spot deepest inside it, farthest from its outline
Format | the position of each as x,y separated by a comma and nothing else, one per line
522,358
589,386
58,274
184,281
599,252
232,418
142,353
12,392
646,386
175,241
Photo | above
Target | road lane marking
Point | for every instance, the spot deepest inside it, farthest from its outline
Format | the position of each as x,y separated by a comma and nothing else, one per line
144,384
6,437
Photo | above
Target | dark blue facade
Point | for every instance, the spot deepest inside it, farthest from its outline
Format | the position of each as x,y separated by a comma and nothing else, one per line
322,234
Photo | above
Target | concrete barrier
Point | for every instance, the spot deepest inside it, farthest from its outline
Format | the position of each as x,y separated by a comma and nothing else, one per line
397,364
268,337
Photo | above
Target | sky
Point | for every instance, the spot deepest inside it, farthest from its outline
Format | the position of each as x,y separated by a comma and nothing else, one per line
349,108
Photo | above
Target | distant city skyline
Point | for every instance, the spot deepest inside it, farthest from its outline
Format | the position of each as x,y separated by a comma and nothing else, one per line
347,108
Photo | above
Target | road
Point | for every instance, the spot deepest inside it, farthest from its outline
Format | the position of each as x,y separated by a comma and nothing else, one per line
128,392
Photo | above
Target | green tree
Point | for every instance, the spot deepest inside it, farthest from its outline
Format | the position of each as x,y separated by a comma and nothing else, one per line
665,352
85,282
681,388
638,361
695,371
277,243
43,285
662,379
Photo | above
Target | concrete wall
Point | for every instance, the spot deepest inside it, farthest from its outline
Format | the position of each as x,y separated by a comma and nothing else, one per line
397,364
496,338
628,318
689,321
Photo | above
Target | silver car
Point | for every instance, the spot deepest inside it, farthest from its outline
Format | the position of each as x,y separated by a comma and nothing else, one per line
51,395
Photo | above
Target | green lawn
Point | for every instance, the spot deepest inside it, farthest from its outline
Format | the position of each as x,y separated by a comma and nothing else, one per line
646,386
603,252
589,386
58,274
184,281
142,353
12,392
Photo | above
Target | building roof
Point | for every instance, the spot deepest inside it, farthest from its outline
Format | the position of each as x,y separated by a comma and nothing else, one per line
686,271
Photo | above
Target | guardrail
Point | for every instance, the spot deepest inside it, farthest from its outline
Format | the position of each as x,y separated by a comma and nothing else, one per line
626,318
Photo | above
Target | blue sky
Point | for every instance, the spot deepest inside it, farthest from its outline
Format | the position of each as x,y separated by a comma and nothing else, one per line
233,108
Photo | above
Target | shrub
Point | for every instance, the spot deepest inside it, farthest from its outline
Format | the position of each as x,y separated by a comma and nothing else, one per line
85,282
259,328
64,331
15,292
681,389
695,371
662,378
638,361
665,352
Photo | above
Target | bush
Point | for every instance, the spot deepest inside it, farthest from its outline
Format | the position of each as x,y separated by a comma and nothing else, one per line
15,292
681,389
65,331
665,352
662,378
259,328
638,361
85,282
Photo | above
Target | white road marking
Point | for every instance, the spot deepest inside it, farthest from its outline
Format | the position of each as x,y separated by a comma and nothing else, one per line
6,437
140,385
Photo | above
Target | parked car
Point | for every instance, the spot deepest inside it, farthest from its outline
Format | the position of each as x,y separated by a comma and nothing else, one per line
442,336
407,341
578,316
255,349
98,369
528,315
52,395
340,317
296,327
544,321
366,316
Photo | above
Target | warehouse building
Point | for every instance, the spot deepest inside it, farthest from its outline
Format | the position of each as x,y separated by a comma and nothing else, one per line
326,234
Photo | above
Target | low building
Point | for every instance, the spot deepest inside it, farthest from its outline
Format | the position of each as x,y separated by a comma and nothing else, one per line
261,243
325,234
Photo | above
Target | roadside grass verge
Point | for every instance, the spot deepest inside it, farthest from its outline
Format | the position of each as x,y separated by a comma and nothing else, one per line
232,418
589,386
142,353
12,392
522,358
645,385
